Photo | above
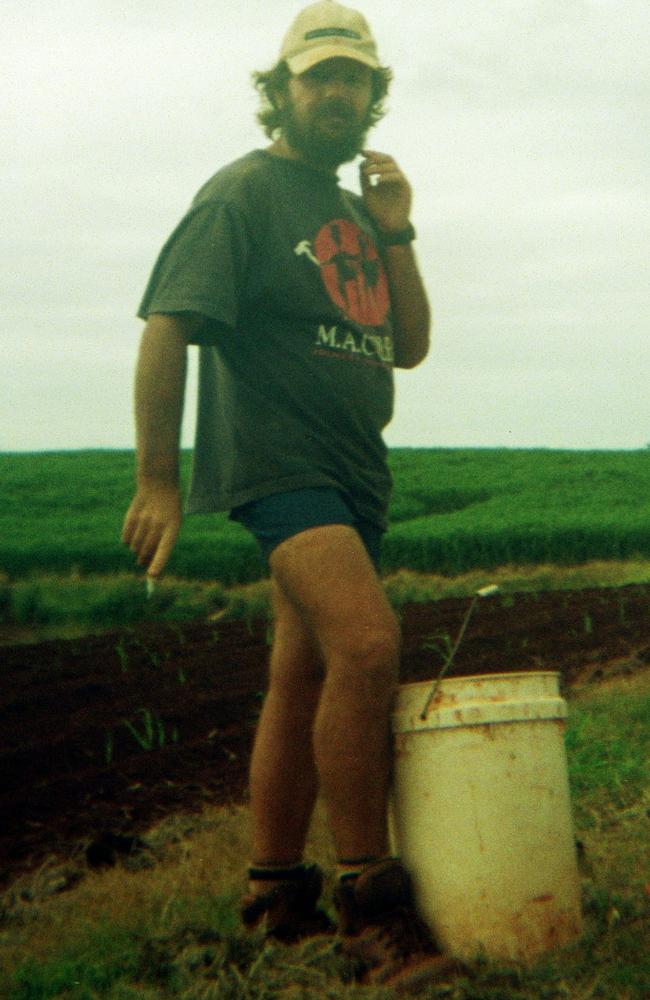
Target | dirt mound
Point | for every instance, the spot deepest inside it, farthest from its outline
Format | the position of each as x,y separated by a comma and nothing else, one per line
102,736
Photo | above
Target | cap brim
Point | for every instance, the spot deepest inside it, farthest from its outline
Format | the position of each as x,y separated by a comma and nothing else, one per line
301,63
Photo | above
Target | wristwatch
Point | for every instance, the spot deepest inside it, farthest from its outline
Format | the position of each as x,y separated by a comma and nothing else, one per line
400,238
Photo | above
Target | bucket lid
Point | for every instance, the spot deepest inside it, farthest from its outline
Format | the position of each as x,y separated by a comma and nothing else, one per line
479,700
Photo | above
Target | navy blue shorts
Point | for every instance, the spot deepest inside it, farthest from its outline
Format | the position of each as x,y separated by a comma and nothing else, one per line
275,518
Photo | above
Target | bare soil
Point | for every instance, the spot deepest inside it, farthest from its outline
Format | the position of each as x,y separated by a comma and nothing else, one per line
76,778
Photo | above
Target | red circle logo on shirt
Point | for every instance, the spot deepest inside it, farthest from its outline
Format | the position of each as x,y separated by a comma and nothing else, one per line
353,272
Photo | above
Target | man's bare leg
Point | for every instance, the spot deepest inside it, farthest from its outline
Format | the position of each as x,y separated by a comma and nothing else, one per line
327,576
283,781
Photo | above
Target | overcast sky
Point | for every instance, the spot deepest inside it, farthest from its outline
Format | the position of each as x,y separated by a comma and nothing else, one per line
523,126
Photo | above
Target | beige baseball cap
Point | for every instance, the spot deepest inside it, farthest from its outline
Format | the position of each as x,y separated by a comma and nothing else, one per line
327,30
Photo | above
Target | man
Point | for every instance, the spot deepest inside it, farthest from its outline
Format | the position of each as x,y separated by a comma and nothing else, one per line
302,297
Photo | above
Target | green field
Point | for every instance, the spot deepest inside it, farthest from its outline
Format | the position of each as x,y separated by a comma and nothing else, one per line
453,510
172,930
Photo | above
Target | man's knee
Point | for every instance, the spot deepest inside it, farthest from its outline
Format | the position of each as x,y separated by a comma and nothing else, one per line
374,645
366,659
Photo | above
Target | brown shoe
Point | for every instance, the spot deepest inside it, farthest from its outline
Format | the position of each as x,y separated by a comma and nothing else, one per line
288,910
383,933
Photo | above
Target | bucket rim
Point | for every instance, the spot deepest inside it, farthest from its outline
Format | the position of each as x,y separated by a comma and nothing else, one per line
482,677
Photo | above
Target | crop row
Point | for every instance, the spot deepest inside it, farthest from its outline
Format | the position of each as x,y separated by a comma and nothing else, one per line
452,510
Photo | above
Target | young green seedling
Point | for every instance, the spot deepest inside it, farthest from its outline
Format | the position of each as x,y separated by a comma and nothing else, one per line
488,591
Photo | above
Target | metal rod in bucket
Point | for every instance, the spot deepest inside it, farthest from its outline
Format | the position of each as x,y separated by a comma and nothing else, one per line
483,592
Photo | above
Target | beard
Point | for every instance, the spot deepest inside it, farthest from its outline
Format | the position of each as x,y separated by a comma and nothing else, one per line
332,136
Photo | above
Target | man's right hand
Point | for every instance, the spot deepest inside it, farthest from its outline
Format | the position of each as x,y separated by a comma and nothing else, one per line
154,518
152,524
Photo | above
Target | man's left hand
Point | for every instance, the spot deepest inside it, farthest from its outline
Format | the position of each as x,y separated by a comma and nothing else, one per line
386,191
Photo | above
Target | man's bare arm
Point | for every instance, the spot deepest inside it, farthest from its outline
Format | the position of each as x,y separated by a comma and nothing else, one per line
153,520
410,306
388,197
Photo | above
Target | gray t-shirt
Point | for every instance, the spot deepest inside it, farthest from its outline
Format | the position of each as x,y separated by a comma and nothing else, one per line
295,373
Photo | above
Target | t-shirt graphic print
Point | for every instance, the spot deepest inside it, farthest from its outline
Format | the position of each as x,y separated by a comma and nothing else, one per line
353,273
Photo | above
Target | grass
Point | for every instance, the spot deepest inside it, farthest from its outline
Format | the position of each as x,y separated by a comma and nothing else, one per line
170,929
453,510
459,518
68,605
609,748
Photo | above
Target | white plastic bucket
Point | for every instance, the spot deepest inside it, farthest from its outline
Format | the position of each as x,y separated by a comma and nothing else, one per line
481,813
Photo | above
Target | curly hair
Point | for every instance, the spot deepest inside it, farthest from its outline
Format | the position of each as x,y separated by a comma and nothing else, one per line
274,82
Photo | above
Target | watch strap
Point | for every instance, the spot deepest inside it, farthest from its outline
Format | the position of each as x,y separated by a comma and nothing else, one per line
399,238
